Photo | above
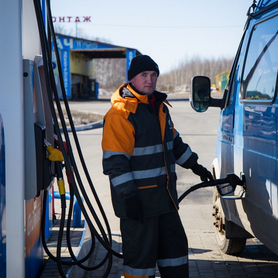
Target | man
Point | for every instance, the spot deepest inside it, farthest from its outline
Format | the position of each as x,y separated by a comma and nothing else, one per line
140,149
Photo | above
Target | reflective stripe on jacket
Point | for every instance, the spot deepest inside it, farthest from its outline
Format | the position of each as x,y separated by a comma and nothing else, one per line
140,150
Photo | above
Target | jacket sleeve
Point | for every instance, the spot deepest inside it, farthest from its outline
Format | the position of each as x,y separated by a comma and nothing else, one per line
183,154
117,145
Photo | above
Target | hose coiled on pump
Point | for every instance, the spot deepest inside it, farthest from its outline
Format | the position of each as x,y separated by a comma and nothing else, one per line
70,163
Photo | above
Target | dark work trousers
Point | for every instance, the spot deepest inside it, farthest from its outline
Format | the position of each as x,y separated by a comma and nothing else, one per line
160,241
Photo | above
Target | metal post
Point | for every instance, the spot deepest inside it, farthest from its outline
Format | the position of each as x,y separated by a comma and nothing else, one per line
130,54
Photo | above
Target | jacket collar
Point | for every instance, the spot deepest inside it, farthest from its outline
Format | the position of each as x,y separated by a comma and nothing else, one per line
142,98
127,98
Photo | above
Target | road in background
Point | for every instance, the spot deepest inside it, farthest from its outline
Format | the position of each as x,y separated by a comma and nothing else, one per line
206,260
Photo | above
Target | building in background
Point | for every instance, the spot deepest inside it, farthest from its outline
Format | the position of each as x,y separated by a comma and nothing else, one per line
77,58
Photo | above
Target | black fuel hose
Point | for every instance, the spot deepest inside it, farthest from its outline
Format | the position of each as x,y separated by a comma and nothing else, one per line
230,182
88,202
69,161
76,139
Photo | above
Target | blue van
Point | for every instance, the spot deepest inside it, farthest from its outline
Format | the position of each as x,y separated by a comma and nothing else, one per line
248,134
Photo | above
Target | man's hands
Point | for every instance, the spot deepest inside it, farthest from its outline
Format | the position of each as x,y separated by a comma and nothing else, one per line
205,175
134,207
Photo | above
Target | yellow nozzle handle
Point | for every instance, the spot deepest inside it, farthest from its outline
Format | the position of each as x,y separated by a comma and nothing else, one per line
55,155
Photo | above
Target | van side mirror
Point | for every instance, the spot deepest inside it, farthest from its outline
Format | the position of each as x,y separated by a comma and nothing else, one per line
201,95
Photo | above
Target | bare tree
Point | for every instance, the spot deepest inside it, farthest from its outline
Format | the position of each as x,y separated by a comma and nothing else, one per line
110,73
180,78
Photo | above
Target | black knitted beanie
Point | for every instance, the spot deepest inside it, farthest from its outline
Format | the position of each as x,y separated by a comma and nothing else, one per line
141,63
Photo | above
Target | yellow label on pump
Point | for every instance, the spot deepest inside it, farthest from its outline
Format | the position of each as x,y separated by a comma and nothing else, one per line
61,186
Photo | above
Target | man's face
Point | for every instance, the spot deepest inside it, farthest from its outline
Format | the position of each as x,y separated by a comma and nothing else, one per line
145,82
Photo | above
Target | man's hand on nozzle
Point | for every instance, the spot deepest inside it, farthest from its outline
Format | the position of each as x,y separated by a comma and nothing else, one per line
204,173
134,207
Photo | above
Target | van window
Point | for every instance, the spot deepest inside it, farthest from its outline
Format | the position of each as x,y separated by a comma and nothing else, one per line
260,72
265,3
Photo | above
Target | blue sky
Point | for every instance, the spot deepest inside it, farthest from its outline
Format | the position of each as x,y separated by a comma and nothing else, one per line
169,31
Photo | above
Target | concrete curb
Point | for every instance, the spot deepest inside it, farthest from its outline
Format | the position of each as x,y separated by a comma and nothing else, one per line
89,126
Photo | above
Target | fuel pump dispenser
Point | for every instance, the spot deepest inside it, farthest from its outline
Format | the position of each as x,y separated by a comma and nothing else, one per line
30,130
39,169
24,170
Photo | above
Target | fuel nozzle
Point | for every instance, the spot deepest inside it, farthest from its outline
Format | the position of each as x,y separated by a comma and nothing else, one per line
233,188
56,156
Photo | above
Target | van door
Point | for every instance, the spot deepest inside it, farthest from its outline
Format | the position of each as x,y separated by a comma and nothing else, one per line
229,140
259,113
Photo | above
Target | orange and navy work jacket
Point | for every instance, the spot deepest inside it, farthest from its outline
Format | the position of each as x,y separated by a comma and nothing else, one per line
140,149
